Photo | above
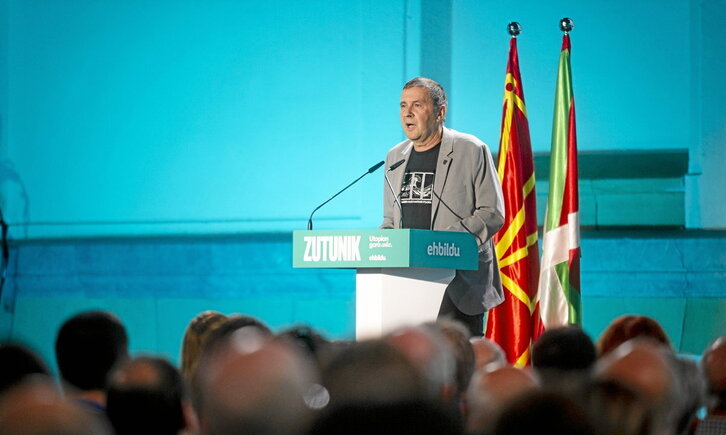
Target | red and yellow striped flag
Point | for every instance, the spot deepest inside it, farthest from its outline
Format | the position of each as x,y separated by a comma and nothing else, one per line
511,323
559,284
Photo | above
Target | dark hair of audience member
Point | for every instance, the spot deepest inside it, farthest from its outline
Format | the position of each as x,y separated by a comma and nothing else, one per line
563,359
309,341
18,361
87,347
146,395
617,409
543,412
628,327
195,337
404,418
564,348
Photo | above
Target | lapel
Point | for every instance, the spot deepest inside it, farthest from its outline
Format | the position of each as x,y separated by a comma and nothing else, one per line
397,179
446,154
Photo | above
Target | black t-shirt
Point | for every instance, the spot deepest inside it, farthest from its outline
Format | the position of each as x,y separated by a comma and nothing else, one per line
418,183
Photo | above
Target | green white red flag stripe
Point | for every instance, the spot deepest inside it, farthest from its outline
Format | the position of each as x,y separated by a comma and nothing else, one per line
558,298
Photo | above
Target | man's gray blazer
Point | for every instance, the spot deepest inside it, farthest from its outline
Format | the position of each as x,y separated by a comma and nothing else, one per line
467,183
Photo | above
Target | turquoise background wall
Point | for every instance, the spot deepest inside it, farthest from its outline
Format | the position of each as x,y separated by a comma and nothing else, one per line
154,156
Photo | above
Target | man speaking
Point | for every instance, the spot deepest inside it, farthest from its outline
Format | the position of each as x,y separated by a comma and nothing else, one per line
447,181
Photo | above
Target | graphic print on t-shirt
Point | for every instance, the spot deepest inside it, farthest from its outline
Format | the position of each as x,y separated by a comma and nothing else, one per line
416,188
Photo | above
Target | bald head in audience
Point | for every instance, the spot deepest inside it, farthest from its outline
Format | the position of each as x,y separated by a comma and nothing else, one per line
487,352
427,350
644,366
252,384
491,390
36,407
456,336
389,377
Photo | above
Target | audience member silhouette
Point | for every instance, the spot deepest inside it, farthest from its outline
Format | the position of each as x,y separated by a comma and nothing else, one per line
490,391
563,358
429,378
427,350
404,418
18,362
713,365
627,327
426,347
312,343
692,392
233,323
487,352
87,347
252,384
543,412
371,372
644,365
616,409
195,337
36,407
148,395
456,335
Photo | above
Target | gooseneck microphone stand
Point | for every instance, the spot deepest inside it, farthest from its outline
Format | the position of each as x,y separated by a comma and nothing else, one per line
369,171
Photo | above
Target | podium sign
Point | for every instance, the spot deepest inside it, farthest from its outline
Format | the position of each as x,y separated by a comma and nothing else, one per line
383,248
401,275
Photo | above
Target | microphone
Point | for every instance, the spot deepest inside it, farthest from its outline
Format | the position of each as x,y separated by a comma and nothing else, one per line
373,168
369,171
455,214
397,164
390,186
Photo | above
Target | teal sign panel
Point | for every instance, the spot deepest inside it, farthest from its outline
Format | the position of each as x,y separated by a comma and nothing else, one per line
383,248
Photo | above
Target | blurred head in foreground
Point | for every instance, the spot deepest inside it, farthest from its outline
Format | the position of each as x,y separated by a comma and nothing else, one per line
253,384
36,407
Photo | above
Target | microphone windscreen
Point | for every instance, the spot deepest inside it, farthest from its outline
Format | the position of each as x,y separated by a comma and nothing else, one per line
397,164
375,167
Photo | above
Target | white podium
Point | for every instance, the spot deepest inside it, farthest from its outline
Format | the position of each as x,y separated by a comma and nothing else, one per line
401,275
388,298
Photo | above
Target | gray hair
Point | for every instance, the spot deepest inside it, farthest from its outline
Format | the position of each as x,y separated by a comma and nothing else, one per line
436,91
